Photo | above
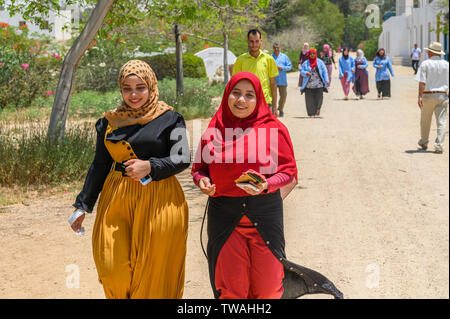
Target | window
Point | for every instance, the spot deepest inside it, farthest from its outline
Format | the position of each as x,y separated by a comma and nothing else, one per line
416,4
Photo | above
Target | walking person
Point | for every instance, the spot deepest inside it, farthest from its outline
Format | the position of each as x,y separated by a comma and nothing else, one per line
283,64
346,71
327,57
245,250
302,58
415,56
361,85
382,63
433,96
315,82
140,231
262,65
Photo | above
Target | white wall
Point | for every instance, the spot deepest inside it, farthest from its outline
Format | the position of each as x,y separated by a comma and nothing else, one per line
401,32
55,21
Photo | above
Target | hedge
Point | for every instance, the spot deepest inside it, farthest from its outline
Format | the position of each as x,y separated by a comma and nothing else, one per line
164,66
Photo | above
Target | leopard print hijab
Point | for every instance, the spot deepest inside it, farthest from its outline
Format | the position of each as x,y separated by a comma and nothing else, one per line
125,115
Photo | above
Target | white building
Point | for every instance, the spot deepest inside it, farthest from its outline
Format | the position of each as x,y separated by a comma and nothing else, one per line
61,23
416,21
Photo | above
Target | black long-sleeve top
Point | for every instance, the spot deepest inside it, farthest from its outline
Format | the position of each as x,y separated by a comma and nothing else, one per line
162,141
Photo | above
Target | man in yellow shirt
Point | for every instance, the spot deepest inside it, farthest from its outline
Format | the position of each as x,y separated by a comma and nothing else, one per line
262,65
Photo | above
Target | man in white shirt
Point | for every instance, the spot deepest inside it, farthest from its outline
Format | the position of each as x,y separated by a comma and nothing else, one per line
433,96
415,57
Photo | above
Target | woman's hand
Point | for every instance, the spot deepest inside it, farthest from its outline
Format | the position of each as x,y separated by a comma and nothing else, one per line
76,224
206,187
261,187
137,169
308,74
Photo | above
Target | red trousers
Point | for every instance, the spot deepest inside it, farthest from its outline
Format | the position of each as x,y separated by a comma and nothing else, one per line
246,268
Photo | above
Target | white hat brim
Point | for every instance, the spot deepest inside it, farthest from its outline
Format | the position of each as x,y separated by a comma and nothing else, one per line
434,51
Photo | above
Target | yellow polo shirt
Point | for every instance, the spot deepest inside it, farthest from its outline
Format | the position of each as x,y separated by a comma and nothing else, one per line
263,66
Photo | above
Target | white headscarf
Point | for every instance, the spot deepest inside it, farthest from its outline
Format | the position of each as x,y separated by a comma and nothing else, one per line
305,50
360,54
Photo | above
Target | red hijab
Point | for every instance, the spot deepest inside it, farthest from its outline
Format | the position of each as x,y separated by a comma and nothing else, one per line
312,62
231,145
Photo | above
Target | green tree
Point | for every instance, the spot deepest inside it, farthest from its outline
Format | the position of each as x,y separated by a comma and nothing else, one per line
325,17
355,30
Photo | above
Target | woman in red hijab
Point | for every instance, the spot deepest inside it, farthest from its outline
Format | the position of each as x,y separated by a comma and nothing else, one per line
245,249
315,82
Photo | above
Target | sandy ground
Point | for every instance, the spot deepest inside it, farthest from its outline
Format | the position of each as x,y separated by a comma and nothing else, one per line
370,211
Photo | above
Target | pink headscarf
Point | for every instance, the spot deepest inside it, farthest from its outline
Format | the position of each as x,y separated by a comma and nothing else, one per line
327,49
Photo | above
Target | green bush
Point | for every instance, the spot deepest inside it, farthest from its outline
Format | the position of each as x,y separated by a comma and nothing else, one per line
27,70
293,56
99,68
164,66
370,48
196,101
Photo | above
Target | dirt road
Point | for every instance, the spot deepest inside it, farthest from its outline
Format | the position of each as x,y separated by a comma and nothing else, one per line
370,211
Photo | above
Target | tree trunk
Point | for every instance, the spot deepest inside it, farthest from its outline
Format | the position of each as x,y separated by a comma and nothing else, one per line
225,58
179,55
60,108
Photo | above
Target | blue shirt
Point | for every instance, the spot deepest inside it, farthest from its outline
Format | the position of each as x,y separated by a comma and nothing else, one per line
386,67
347,66
306,67
286,65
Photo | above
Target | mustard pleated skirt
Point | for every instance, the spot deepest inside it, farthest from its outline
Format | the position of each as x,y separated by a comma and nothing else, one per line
139,238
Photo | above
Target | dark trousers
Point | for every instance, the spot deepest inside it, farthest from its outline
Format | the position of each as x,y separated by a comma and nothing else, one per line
415,65
313,99
358,87
384,88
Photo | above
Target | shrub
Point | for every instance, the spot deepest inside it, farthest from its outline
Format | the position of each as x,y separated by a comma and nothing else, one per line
197,100
99,68
28,158
293,56
164,66
27,70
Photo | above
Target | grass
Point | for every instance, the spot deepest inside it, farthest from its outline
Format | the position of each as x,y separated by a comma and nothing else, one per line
198,101
28,158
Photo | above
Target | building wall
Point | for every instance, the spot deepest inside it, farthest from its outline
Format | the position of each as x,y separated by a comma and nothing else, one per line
56,22
401,32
